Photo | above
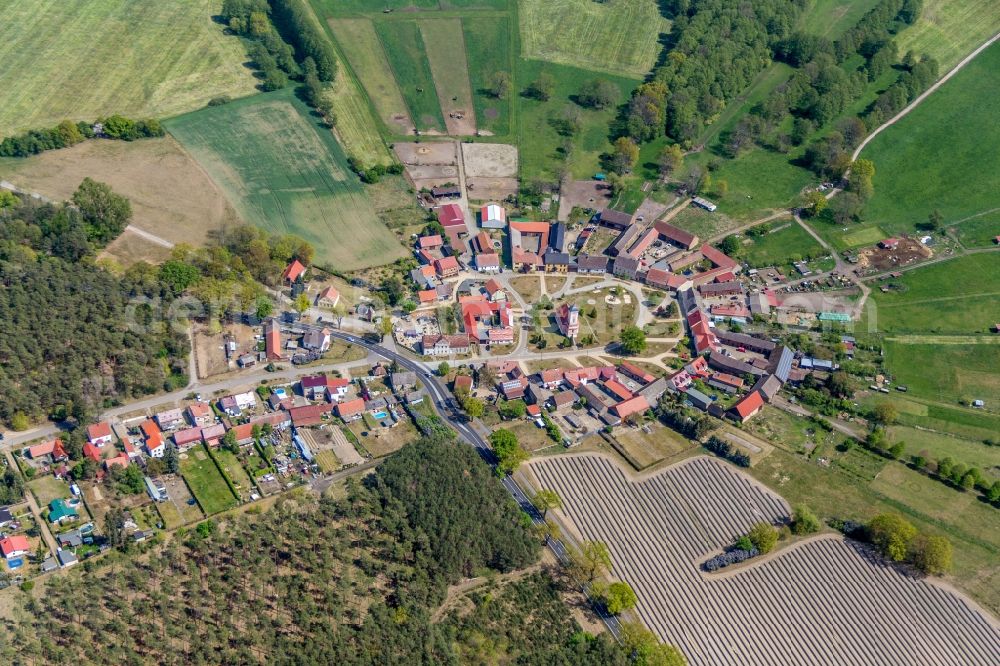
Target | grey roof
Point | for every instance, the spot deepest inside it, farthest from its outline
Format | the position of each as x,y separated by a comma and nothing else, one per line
687,300
615,217
592,262
720,288
759,303
768,385
49,564
66,558
72,538
626,265
732,365
653,390
5,515
625,239
557,237
414,396
556,258
697,398
402,379
781,362
744,340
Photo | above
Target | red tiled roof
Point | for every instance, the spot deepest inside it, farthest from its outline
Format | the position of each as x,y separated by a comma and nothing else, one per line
13,544
450,215
445,264
427,242
199,410
672,233
619,390
182,437
748,405
43,449
272,340
636,405
121,461
492,286
329,294
534,410
350,407
98,430
636,372
717,257
294,270
463,381
92,452
308,415
427,295
487,260
244,432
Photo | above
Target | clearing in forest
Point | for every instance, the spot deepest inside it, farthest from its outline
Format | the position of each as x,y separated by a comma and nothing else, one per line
621,37
81,59
286,173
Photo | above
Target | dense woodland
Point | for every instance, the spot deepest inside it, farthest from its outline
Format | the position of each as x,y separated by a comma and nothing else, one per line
68,347
351,581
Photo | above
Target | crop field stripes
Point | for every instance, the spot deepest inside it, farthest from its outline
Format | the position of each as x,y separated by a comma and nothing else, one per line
820,601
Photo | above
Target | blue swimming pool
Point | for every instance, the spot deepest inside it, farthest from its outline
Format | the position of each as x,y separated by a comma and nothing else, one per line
380,415
14,564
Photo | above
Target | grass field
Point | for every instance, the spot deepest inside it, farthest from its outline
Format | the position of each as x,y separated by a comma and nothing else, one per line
487,49
979,231
442,38
287,174
863,236
539,142
786,242
830,18
619,38
81,59
934,158
949,30
149,172
959,296
357,128
206,483
47,488
937,446
945,373
364,53
353,7
404,47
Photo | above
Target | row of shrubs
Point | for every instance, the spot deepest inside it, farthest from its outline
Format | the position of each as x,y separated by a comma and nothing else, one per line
726,450
67,133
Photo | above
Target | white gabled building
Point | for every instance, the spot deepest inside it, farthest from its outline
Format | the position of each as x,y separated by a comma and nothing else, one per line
493,216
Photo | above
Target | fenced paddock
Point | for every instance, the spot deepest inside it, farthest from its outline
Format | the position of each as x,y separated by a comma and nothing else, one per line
822,601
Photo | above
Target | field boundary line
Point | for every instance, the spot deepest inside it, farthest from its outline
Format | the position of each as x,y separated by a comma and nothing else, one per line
922,96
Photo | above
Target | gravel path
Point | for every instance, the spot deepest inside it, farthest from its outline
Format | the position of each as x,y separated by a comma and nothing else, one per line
821,602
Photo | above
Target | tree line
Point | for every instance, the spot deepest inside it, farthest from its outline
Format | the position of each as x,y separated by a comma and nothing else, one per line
67,133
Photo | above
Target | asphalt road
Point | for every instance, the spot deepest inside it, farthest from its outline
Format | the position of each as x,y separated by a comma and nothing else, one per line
443,405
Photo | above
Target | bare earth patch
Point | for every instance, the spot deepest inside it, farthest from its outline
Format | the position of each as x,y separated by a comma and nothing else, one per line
489,160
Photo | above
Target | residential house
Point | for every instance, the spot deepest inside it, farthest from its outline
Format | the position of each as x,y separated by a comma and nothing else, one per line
317,339
627,408
450,217
488,262
313,387
513,389
557,237
702,334
212,435
445,345
350,410
293,272
494,292
889,243
678,237
186,439
14,546
750,405
6,517
596,264
170,419
427,296
423,276
625,267
124,461
726,382
66,558
492,216
681,379
551,378
768,387
433,242
328,298
556,262
153,436
308,415
446,267
525,261
200,414
51,451
482,243
244,432
614,219
60,511
100,434
336,388
272,340
70,539
403,381
562,400
500,336
568,320
92,452
463,382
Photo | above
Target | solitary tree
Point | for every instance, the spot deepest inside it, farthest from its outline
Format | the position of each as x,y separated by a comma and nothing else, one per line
508,450
385,325
730,245
443,368
599,94
670,159
542,87
301,303
633,340
474,407
546,499
885,413
500,85
338,313
804,521
592,560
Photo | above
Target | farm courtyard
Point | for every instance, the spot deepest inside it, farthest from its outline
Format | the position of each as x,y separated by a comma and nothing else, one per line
812,602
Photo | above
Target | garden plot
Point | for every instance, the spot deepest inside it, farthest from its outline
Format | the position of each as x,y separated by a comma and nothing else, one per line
822,601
